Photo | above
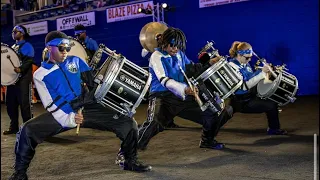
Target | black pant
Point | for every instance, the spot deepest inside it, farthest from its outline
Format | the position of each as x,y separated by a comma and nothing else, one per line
256,105
19,95
163,109
36,130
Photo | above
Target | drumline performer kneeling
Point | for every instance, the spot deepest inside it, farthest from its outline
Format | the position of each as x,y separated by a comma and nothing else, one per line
245,99
59,82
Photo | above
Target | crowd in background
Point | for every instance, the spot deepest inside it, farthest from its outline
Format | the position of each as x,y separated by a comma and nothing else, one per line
34,5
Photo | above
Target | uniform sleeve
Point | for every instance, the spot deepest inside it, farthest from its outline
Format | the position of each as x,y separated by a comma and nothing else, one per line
94,45
27,53
59,113
253,79
156,63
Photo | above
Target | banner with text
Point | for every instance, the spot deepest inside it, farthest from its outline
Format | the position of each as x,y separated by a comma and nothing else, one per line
86,19
209,3
37,28
130,11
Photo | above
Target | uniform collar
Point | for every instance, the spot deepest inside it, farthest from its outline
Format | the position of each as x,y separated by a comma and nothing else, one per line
20,42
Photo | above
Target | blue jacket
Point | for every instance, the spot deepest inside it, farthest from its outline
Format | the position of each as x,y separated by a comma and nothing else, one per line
58,85
250,78
25,52
91,44
166,74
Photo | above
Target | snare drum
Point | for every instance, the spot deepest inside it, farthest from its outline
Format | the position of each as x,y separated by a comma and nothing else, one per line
122,85
221,78
282,90
9,60
77,49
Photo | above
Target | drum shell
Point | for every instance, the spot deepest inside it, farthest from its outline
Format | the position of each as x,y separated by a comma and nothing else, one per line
221,78
123,83
283,87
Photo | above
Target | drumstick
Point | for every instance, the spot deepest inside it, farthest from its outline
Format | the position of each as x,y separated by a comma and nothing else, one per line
192,88
8,57
78,126
265,63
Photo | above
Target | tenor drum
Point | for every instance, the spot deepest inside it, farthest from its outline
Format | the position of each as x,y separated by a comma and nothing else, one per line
209,49
281,90
221,78
122,85
9,60
77,49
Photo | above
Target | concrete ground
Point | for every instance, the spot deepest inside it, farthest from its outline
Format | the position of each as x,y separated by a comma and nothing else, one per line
174,154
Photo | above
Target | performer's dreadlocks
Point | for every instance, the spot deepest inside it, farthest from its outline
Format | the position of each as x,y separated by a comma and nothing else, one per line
175,37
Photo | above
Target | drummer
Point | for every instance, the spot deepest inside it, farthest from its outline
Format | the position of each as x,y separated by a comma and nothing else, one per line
81,35
18,94
145,54
245,99
170,96
58,81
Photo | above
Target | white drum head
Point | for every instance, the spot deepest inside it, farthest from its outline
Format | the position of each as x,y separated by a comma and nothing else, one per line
266,88
8,76
77,50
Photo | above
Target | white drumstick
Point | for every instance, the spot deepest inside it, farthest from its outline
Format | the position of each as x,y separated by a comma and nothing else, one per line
78,126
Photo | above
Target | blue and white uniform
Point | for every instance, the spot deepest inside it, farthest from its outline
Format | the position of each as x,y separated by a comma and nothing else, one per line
166,74
246,101
60,81
250,78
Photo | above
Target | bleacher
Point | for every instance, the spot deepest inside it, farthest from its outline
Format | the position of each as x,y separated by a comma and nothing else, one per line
62,7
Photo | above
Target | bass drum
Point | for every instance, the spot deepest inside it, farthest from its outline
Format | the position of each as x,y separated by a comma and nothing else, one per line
77,49
9,60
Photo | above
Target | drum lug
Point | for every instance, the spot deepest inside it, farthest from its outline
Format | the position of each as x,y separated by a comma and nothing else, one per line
291,99
127,109
193,81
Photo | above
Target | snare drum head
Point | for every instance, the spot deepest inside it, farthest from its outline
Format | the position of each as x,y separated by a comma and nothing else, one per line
265,88
77,50
8,76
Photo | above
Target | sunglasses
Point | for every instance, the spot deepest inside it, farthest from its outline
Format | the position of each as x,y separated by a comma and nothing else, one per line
78,34
247,58
62,48
15,32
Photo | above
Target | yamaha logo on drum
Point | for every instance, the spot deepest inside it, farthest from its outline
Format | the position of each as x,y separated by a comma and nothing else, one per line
226,77
130,82
4,51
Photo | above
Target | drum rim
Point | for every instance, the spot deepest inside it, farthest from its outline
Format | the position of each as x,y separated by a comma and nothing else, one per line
143,93
212,69
4,44
274,89
276,84
18,74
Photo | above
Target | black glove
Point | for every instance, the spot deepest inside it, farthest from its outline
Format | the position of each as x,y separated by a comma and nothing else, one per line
83,99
